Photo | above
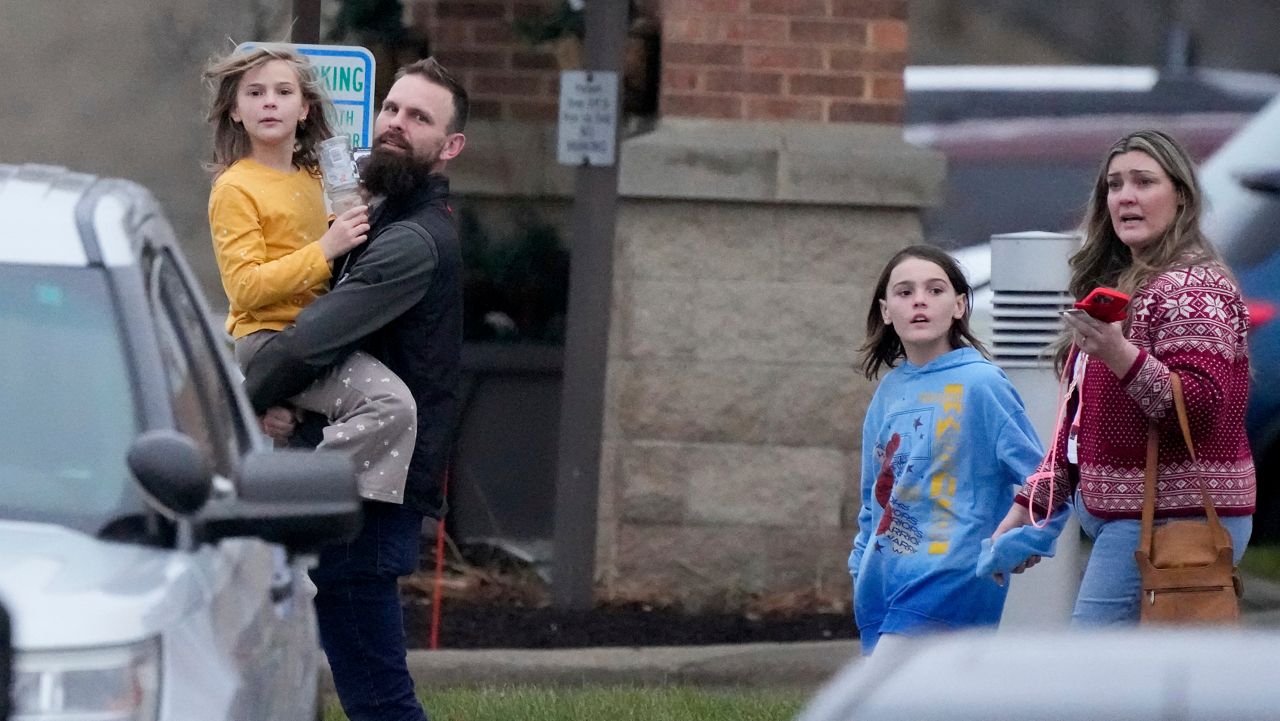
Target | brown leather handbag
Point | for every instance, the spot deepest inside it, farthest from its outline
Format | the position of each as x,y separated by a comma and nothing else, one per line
1186,565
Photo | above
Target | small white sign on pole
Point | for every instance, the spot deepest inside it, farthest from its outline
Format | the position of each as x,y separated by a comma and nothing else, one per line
588,127
347,74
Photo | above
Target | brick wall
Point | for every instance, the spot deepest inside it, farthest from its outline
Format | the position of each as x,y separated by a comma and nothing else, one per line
816,60
506,78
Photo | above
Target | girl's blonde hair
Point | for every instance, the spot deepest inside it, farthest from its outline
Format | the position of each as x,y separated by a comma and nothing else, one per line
230,140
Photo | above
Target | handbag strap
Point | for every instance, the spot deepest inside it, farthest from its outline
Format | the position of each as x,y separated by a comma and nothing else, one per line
1149,478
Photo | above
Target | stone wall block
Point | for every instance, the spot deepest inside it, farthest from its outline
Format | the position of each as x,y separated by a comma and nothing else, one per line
819,406
653,482
883,178
696,565
777,323
678,240
726,173
844,245
725,566
705,402
851,499
732,241
653,243
766,485
658,318
608,512
616,376
810,558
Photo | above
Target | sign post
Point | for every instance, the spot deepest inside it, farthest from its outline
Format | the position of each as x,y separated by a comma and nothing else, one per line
347,72
588,140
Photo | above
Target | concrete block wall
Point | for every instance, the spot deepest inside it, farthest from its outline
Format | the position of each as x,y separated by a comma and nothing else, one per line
733,415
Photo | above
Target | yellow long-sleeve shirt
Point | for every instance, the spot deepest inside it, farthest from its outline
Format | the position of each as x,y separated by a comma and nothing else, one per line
266,225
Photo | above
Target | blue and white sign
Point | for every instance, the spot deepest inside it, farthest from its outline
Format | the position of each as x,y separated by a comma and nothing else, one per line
347,73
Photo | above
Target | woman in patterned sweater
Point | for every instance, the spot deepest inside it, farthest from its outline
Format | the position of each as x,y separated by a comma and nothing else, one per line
1142,236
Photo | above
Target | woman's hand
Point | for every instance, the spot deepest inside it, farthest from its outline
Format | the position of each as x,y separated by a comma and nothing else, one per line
1017,517
1104,341
348,230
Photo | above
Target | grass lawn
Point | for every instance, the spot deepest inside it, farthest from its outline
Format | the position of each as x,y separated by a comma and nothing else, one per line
1262,560
670,703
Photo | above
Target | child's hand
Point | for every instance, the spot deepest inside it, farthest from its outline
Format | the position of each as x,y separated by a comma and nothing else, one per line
1017,517
348,230
278,423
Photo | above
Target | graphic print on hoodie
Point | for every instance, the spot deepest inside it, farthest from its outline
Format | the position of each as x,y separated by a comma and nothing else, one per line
899,530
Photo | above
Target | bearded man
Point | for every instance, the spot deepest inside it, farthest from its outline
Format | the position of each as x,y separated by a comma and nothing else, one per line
398,297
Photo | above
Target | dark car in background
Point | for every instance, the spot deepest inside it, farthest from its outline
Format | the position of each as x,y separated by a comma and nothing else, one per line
1023,143
1242,193
1009,174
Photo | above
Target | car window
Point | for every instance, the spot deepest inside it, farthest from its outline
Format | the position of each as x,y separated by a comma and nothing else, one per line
65,387
204,402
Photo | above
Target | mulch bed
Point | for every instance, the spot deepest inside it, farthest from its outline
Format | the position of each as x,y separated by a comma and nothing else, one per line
493,602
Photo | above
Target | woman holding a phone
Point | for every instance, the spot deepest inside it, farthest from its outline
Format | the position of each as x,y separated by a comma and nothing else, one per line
1142,238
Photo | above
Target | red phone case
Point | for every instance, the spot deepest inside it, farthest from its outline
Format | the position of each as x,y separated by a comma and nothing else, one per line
1105,304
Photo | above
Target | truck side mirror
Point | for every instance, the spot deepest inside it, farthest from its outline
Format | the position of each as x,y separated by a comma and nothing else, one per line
302,500
172,471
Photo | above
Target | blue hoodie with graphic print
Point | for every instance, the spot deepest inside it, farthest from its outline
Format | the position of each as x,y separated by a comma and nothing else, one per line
943,446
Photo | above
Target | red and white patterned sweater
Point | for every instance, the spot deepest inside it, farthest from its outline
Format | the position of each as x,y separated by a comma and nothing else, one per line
1191,321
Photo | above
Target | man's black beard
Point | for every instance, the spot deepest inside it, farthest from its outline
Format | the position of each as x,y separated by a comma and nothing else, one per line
394,175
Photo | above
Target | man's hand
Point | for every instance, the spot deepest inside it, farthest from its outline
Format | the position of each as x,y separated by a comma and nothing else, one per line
278,423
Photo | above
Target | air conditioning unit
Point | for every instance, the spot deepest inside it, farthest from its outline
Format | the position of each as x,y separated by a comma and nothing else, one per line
1029,279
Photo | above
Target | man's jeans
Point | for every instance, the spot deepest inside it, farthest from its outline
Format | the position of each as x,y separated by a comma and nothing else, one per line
361,624
1111,589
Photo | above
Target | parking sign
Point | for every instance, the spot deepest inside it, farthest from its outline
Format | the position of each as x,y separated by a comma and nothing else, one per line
347,73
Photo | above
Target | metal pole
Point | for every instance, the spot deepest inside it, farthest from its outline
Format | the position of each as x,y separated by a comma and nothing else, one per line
306,22
586,343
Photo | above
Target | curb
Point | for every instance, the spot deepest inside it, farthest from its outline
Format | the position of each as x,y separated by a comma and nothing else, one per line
797,665
803,665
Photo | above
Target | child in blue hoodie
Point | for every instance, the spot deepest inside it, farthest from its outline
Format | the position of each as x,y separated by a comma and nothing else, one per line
945,441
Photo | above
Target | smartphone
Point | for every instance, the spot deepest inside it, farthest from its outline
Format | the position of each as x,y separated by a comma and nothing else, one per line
1106,304
1077,312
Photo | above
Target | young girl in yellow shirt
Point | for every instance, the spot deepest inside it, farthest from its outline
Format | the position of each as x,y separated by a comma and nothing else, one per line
274,247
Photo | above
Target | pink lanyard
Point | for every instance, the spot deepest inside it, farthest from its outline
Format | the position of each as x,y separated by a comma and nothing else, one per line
1035,479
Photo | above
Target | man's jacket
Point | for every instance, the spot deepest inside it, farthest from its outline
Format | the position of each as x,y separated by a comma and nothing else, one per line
399,298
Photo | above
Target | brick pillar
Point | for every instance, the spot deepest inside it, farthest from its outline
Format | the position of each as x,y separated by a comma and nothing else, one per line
829,61
506,78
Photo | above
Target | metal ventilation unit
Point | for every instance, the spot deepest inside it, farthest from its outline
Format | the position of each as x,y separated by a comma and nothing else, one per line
1029,279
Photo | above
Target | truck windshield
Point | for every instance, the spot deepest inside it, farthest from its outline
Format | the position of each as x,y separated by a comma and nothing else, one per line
68,402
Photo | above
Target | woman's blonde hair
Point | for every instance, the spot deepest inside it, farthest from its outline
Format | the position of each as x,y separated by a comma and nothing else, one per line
230,140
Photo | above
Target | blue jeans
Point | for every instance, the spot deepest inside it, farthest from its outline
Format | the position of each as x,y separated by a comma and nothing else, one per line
1111,590
361,623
